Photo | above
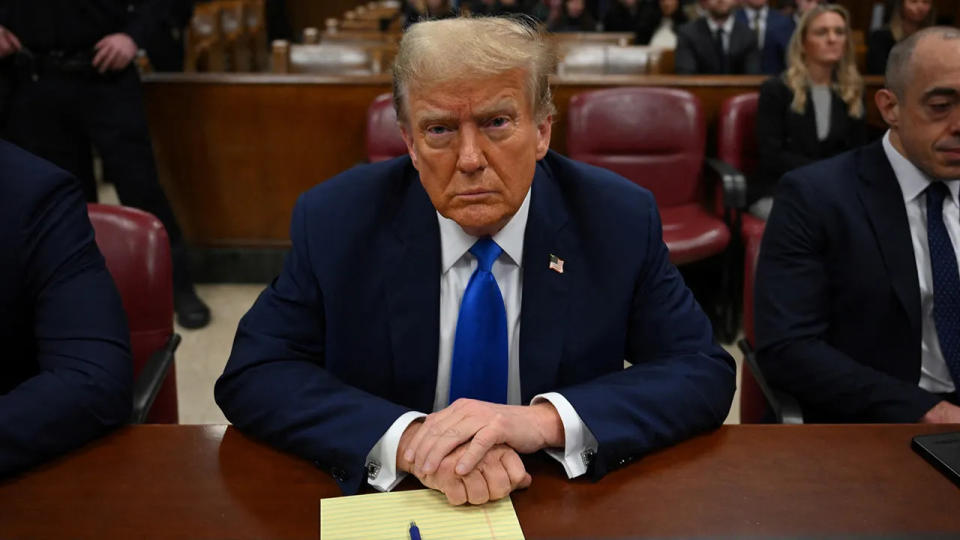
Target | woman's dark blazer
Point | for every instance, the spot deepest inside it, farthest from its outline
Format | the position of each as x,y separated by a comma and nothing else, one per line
787,140
879,44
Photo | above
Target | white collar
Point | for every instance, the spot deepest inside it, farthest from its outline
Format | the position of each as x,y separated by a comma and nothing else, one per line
454,241
912,180
762,12
727,25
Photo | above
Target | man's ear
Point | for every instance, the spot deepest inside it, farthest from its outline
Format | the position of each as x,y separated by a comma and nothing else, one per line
889,107
544,130
408,140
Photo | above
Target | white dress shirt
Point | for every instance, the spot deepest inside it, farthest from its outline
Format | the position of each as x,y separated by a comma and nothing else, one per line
755,17
457,267
664,37
727,27
934,373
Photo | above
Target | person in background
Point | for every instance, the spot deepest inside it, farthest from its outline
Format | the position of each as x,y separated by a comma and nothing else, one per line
800,8
858,288
773,31
534,8
66,375
717,44
814,110
623,16
76,86
573,18
165,48
420,10
907,17
659,22
443,312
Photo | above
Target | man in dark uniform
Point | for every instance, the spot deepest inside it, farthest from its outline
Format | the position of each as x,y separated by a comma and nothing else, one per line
74,84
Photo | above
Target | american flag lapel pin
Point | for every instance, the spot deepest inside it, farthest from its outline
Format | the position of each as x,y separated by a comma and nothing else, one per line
556,264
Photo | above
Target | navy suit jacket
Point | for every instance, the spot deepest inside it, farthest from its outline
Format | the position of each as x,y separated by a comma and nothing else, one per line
65,370
776,38
837,294
346,339
697,53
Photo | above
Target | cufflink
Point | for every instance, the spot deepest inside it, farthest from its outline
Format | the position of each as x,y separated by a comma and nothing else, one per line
373,469
587,456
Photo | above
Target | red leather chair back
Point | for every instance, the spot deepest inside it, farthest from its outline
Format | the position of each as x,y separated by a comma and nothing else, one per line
753,405
652,136
137,250
383,134
736,133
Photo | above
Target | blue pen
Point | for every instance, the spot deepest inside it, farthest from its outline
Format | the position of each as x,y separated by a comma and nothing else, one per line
414,531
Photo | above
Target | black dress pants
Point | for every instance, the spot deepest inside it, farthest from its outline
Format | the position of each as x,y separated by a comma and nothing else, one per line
58,115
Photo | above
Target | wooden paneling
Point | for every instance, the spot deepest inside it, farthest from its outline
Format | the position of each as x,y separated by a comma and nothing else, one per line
235,151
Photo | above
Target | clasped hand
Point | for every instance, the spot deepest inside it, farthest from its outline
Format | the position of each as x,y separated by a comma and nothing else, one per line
469,449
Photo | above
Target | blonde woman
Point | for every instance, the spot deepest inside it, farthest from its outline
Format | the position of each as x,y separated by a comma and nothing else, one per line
814,110
908,16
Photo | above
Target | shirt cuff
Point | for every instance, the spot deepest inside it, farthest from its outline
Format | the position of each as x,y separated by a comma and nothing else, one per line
381,462
580,446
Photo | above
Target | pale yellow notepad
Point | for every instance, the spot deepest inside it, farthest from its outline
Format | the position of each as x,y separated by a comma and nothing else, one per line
387,516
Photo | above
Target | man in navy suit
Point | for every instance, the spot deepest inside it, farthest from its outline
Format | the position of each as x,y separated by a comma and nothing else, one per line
773,30
65,373
857,288
482,279
717,43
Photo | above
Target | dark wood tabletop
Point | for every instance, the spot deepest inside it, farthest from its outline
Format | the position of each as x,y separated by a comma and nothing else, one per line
739,481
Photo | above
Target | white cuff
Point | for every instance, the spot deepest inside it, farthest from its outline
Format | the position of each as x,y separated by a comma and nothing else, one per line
580,446
381,462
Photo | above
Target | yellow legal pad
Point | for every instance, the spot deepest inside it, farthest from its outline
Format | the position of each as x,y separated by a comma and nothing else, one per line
387,516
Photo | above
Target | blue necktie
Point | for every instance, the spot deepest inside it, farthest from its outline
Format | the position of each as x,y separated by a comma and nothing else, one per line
479,369
946,280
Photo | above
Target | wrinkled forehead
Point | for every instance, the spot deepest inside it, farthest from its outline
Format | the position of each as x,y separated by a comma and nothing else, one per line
460,95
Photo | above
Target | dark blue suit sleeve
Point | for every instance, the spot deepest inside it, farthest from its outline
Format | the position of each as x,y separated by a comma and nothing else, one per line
793,313
81,336
681,382
275,386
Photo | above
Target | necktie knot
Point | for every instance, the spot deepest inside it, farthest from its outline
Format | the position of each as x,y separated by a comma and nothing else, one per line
486,251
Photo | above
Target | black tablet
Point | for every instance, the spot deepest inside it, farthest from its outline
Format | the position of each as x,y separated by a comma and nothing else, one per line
942,450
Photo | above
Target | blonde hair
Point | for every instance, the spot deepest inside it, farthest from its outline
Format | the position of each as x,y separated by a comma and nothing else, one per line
896,20
846,79
471,48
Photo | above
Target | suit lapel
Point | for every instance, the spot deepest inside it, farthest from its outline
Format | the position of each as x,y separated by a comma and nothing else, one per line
710,49
810,138
412,264
881,195
543,307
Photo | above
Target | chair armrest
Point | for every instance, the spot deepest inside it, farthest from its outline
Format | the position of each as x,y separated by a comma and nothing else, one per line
733,181
785,407
151,378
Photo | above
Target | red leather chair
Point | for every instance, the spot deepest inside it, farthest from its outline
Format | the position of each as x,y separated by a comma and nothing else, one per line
655,137
137,251
383,134
737,146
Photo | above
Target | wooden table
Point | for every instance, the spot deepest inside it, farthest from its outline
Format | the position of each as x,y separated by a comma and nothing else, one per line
758,481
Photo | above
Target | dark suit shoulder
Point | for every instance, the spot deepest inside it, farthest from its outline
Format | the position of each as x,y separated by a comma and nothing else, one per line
830,180
28,183
588,188
364,195
775,86
694,29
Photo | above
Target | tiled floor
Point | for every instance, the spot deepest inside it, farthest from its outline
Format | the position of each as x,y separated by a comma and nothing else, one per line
203,353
